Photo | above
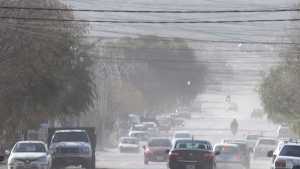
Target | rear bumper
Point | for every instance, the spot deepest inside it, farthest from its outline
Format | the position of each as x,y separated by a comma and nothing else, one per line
185,165
229,165
68,161
156,157
129,149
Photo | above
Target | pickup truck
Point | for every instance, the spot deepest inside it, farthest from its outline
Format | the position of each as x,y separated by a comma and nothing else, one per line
72,147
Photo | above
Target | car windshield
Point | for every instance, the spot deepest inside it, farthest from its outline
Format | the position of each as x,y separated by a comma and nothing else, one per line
29,148
70,137
268,142
226,149
293,151
194,145
129,141
159,143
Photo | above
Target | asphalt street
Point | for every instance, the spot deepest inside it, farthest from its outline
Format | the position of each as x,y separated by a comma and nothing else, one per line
208,127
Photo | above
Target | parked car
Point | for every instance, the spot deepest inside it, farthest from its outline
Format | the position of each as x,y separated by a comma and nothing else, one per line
191,154
129,144
229,156
263,146
141,135
29,154
287,158
155,150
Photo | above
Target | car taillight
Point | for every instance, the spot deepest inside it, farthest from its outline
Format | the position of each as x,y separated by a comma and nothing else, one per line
174,155
148,151
208,156
280,163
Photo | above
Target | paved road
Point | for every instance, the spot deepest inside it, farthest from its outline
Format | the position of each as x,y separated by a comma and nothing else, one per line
212,128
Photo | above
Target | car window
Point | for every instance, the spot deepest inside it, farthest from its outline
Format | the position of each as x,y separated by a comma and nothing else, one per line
268,142
130,141
290,151
160,143
29,148
70,136
192,145
227,149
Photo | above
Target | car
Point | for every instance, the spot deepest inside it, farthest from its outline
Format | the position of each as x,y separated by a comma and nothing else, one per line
191,154
152,128
155,150
252,139
229,156
141,135
245,151
283,131
29,154
129,144
287,158
263,146
71,148
138,127
164,124
181,135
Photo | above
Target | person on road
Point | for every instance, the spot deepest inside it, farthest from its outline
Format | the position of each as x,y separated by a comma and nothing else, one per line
234,126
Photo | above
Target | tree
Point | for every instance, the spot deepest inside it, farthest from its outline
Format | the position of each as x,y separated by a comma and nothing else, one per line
165,70
44,66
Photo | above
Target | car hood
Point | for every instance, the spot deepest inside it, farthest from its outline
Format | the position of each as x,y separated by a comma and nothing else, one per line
70,144
27,155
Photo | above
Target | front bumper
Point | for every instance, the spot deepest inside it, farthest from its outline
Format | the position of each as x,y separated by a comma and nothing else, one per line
71,160
29,166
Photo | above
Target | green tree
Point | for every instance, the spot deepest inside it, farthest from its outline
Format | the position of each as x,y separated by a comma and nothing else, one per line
44,66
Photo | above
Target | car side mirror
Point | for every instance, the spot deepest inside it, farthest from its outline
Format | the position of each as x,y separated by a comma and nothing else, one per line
217,153
7,152
167,151
270,153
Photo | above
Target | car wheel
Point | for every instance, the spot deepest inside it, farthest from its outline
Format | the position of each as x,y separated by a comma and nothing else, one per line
146,162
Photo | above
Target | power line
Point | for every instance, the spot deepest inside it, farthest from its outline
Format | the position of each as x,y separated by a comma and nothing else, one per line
151,11
149,21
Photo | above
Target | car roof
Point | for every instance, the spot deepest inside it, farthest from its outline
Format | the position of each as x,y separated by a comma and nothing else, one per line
226,145
159,138
68,131
31,141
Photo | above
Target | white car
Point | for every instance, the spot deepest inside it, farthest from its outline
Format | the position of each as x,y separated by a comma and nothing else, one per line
288,157
141,135
263,146
129,144
181,135
29,154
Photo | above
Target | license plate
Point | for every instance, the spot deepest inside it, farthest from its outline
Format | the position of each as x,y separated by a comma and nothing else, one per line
190,167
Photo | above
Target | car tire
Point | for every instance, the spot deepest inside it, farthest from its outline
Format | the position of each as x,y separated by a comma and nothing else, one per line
146,162
88,164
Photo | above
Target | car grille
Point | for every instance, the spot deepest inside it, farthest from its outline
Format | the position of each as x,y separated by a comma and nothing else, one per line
30,167
69,150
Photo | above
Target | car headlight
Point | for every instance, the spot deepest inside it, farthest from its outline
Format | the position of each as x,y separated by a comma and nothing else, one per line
43,159
85,150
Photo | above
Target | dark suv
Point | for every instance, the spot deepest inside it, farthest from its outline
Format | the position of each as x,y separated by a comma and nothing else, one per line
191,154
